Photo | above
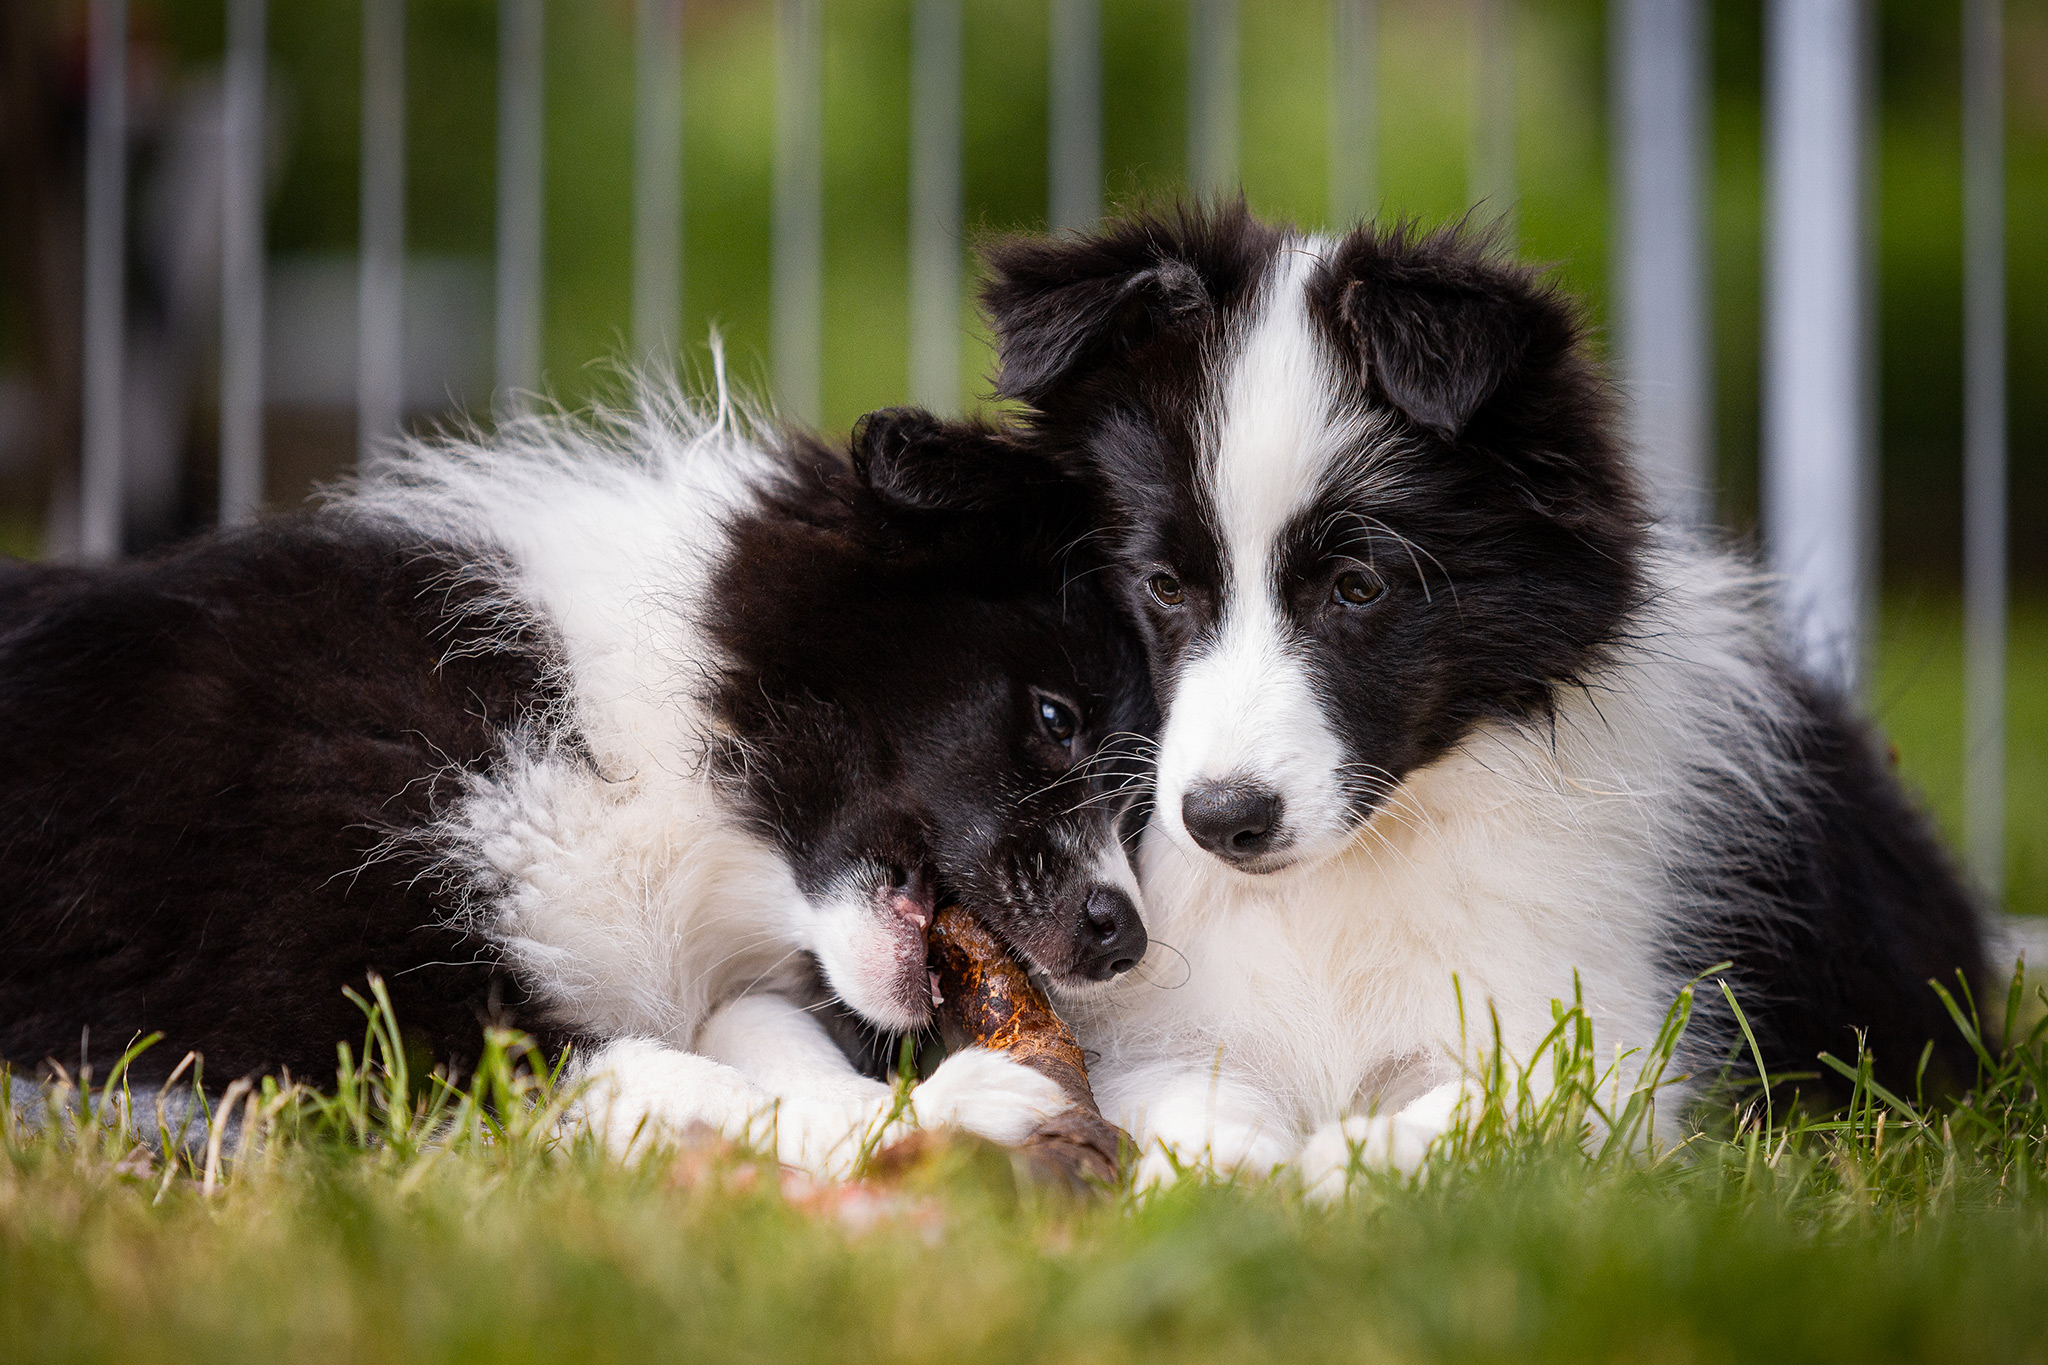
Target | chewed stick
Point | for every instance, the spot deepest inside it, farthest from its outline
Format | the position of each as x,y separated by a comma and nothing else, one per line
987,1000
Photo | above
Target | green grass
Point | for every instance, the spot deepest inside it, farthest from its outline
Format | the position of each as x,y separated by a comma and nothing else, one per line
1917,698
396,1220
329,1258
400,1219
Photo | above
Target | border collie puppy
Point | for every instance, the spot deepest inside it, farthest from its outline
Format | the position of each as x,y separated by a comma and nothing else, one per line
1440,703
644,733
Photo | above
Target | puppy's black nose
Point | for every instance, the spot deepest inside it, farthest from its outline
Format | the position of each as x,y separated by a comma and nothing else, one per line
1112,935
1235,821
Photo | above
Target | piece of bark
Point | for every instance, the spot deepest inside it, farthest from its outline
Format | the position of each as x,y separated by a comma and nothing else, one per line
987,1000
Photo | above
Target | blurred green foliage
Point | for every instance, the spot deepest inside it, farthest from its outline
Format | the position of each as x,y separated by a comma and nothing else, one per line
1916,698
1424,104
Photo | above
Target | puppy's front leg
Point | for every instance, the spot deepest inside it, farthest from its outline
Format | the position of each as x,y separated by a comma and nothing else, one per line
785,1050
1197,1121
637,1094
781,1047
764,1074
1400,1141
824,1113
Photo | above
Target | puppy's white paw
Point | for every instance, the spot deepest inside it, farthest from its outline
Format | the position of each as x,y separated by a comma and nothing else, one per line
824,1137
1223,1150
1400,1142
637,1094
1341,1149
989,1095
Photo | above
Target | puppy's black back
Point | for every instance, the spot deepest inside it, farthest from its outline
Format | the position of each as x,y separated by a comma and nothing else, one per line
206,754
1837,907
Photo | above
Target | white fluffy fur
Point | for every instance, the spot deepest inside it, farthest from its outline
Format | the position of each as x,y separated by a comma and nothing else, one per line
1243,706
625,891
622,887
1325,992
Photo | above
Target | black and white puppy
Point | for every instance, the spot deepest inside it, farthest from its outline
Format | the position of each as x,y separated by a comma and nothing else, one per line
621,730
1441,704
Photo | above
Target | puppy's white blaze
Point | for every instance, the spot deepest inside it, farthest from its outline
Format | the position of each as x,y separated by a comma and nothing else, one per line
1112,865
1245,707
1272,426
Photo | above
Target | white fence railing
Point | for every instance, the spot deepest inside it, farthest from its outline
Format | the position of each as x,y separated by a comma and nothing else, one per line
380,307
106,302
1984,440
1819,488
521,160
1660,91
1073,132
1818,437
241,265
935,207
657,177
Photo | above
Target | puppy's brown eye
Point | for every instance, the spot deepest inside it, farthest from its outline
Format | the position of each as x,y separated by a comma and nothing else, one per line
1058,721
1165,590
1359,588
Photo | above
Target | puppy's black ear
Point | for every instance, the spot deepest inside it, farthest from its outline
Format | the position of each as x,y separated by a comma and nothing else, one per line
979,480
1061,304
1487,353
1442,327
972,496
1051,319
912,460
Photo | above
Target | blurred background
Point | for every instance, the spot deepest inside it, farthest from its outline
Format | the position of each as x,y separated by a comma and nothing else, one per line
569,184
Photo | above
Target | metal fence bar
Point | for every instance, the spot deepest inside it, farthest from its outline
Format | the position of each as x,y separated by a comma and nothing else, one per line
1354,110
380,306
1212,96
521,168
797,289
1074,123
106,303
935,211
1491,166
1660,142
241,265
657,178
1819,493
1984,442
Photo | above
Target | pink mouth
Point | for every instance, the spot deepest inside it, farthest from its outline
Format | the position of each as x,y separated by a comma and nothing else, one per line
910,911
911,906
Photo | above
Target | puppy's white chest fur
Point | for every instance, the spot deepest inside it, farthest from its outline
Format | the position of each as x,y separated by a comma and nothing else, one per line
1361,982
1527,863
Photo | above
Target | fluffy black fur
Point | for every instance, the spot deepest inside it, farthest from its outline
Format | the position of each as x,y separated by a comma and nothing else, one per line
207,749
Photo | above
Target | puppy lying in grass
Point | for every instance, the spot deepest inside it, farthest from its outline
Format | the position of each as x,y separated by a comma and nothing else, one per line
657,733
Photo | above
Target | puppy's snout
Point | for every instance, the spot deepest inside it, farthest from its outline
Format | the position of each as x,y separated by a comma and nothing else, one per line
1112,935
1237,820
